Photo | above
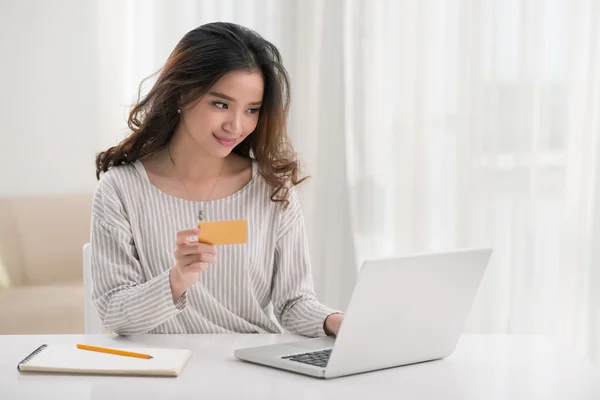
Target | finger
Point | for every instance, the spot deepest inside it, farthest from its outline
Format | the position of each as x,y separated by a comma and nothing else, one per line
195,248
194,258
182,236
196,267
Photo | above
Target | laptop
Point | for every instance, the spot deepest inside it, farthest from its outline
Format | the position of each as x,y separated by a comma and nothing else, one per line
403,310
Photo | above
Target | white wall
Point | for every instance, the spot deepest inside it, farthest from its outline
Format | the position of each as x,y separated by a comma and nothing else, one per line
48,96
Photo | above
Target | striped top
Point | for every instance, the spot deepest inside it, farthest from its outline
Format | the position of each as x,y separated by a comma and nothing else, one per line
258,287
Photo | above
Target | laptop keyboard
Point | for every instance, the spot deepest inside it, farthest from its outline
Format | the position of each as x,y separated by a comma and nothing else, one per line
316,358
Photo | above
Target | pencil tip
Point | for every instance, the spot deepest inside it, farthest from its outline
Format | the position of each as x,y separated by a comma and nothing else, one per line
150,357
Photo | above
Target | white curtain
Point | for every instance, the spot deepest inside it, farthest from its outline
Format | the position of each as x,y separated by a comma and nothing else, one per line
425,125
476,122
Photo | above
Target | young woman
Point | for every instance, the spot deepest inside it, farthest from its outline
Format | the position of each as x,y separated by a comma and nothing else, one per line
208,142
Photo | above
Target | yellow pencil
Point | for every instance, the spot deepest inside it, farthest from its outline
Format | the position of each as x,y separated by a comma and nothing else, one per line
113,351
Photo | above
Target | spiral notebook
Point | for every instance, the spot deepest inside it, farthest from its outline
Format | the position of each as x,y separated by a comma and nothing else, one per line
60,358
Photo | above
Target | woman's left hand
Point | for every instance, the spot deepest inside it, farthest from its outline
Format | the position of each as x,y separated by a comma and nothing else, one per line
333,323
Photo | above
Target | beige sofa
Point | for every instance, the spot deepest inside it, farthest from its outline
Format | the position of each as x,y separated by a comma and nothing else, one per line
41,281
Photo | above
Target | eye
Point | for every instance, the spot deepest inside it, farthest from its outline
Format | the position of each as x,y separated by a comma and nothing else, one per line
254,110
220,105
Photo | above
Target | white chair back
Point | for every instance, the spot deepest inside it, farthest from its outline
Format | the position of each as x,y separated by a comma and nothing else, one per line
93,325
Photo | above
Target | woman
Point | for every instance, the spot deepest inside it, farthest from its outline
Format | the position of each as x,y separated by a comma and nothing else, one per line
208,141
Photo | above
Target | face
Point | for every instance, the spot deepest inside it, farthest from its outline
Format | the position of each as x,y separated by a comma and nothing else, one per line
226,114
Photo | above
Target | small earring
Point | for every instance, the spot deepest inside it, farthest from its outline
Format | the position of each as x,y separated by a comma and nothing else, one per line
179,111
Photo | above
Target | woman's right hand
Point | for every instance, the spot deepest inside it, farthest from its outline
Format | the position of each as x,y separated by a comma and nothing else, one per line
191,258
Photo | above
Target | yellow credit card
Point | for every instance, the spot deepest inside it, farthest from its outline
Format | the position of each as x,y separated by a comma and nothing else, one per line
223,232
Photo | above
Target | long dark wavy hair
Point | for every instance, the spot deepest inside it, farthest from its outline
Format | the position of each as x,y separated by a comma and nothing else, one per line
203,56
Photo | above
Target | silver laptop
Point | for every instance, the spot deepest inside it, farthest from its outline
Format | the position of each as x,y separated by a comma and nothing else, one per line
403,310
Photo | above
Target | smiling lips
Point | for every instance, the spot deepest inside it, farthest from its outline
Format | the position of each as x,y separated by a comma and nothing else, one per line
227,142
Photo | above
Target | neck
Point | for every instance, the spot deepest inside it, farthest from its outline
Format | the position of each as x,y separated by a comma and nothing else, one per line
191,163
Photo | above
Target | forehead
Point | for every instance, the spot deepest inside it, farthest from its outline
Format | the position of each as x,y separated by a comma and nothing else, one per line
241,85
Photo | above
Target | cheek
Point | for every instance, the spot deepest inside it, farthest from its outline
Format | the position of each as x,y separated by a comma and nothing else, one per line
250,126
205,120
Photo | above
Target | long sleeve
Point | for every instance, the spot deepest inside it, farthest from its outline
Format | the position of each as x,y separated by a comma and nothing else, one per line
295,304
126,303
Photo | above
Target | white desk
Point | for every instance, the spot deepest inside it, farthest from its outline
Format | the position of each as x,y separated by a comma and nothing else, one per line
484,367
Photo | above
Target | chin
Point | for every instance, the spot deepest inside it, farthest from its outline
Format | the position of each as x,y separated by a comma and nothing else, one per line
222,153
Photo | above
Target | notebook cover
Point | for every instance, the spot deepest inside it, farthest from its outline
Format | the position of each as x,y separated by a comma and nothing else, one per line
60,358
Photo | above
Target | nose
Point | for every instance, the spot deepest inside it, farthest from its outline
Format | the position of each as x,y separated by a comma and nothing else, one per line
234,125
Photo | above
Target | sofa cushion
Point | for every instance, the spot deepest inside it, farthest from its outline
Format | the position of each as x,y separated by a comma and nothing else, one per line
10,250
55,309
48,233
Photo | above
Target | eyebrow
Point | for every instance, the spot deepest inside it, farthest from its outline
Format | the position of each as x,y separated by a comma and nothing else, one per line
224,96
